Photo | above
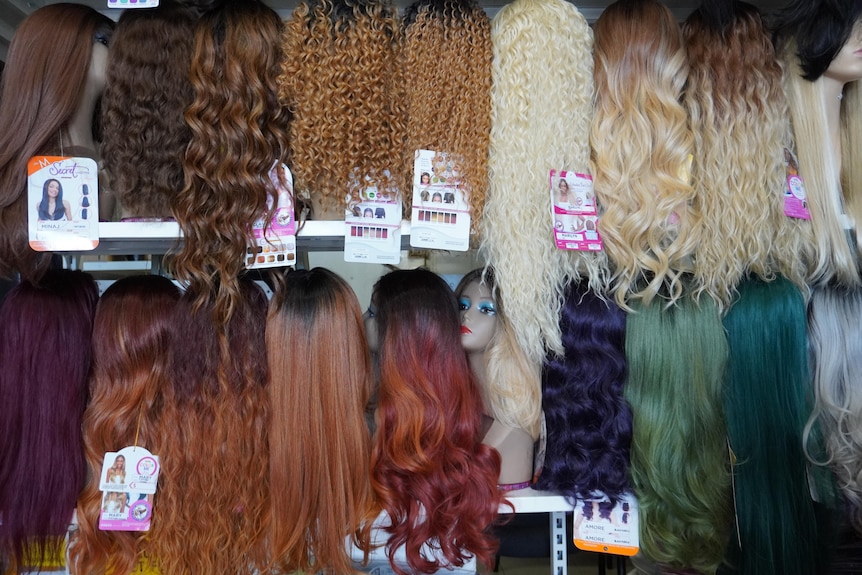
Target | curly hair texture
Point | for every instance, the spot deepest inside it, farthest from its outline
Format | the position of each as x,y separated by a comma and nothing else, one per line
339,78
446,67
214,503
512,387
238,132
641,148
45,352
43,82
767,402
320,368
432,474
835,343
738,114
146,94
131,337
588,421
542,62
680,468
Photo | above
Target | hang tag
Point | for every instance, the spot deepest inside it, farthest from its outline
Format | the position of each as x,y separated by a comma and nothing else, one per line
275,245
795,198
599,526
62,203
128,482
440,218
372,227
575,215
133,3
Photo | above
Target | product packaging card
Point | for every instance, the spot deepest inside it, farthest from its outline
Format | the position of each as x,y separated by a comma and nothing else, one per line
128,483
440,218
62,203
133,3
795,200
275,245
372,228
603,527
575,215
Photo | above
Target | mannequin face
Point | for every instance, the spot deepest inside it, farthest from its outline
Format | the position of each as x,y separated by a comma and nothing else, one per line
478,317
96,73
369,317
847,64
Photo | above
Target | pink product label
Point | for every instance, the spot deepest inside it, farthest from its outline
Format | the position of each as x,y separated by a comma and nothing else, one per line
795,200
572,232
118,514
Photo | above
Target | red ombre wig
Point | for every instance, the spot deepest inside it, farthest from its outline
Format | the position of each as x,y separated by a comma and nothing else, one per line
44,361
131,339
320,383
430,470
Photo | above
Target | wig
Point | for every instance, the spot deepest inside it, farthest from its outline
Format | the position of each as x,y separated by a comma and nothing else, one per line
44,78
320,383
238,132
542,62
446,69
45,333
679,458
738,113
432,474
213,499
641,148
766,403
810,34
589,422
131,337
339,80
835,342
147,91
513,390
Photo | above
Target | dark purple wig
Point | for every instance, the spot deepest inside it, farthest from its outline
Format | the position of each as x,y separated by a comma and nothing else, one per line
589,422
45,354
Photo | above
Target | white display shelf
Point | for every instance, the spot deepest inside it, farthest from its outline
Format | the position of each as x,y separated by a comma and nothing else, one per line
529,500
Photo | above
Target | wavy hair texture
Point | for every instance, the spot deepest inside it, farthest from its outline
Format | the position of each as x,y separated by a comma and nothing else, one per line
767,402
835,343
542,62
214,499
512,390
807,35
679,458
738,115
131,338
446,69
431,472
588,421
45,354
44,78
320,383
640,151
147,92
339,78
237,132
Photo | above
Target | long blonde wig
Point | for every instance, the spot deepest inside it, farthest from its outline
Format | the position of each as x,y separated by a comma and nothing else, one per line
641,147
540,117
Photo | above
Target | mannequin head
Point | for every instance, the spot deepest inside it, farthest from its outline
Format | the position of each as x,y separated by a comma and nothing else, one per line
479,310
46,80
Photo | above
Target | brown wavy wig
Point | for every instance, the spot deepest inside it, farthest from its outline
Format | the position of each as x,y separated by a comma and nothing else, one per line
44,78
212,510
237,133
320,384
131,337
146,94
446,66
339,80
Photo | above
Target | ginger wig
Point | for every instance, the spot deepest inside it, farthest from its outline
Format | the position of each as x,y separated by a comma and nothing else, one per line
339,80
588,421
446,69
512,390
213,505
641,148
809,35
320,383
45,352
431,472
679,458
147,92
738,114
131,335
44,78
542,62
238,132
